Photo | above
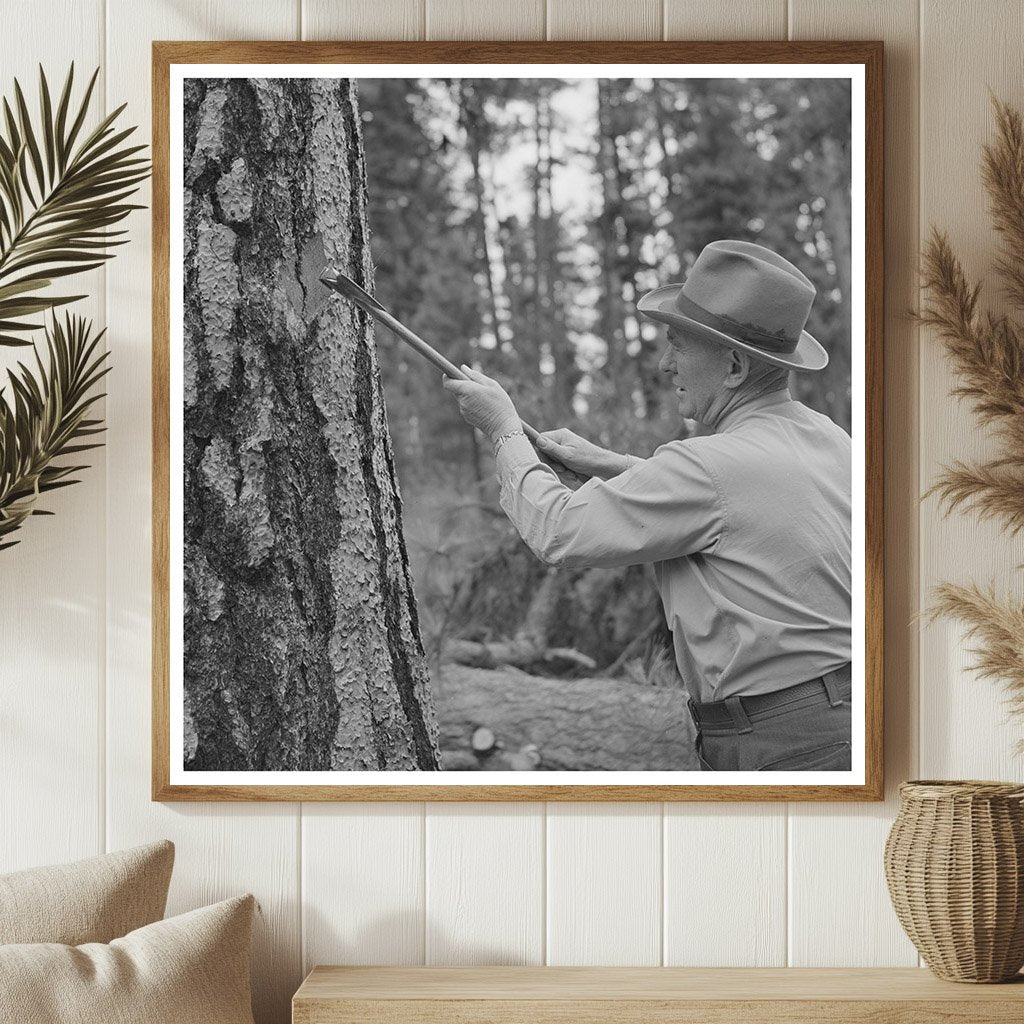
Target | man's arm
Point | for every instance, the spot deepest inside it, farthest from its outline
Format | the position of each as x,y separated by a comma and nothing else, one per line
583,456
663,507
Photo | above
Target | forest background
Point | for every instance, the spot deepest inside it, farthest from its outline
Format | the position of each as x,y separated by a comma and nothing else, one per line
514,223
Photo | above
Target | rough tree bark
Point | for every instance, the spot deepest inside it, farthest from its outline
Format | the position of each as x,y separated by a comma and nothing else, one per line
301,641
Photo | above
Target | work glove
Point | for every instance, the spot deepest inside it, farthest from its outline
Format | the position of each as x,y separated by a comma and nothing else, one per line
484,403
580,455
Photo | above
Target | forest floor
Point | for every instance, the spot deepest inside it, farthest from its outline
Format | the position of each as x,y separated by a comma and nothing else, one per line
543,724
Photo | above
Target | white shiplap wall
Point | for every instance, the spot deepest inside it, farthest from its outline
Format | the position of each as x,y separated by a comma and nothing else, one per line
741,884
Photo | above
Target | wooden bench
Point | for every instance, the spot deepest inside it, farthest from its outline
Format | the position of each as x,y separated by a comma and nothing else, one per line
647,995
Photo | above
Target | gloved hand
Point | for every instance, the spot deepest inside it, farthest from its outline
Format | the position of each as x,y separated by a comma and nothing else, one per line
580,455
484,403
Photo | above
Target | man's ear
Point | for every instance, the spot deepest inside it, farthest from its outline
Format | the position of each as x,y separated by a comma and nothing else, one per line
739,368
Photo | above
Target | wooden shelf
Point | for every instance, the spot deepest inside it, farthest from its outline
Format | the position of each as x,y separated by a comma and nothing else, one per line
637,995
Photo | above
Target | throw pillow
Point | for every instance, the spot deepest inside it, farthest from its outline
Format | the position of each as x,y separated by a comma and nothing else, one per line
190,969
92,900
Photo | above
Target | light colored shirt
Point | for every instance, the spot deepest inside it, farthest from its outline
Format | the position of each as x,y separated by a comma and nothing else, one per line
749,530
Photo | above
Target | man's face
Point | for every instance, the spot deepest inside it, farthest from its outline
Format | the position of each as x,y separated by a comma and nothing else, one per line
698,369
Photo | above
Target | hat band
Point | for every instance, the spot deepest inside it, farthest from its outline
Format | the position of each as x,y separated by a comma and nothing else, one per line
746,333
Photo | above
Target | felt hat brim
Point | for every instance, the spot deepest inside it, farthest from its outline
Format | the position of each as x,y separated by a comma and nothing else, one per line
659,305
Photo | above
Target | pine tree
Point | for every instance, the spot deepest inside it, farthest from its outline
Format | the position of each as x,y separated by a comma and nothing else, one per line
301,638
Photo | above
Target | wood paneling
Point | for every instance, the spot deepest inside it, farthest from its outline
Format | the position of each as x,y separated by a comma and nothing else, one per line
725,19
966,49
725,885
221,849
485,884
383,19
363,894
51,583
604,19
484,19
846,842
604,884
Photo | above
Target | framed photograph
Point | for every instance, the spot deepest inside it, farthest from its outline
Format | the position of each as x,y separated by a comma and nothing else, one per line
517,421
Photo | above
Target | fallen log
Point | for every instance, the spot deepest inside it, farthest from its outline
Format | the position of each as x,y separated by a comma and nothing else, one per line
593,724
521,651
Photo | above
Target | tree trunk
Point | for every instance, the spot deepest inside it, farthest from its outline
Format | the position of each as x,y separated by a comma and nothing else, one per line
838,218
610,299
301,641
472,115
540,250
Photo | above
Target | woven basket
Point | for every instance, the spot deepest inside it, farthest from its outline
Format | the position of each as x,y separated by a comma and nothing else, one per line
954,861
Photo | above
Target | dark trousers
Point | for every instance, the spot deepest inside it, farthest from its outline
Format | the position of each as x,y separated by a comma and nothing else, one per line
801,728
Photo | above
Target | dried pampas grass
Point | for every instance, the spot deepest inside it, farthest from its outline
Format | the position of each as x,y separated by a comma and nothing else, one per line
996,628
987,353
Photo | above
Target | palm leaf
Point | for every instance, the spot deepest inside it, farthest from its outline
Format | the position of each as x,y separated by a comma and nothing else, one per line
62,191
46,118
47,417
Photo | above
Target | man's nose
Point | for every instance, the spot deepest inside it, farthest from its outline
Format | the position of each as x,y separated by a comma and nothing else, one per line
667,364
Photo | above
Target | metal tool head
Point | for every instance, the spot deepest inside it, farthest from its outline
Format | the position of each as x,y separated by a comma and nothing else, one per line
339,282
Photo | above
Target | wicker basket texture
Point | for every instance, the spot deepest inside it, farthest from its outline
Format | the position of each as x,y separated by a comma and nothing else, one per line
954,862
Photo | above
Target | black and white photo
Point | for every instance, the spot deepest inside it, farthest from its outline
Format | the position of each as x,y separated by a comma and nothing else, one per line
520,429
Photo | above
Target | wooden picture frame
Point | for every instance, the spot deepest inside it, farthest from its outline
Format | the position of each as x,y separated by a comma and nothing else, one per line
864,63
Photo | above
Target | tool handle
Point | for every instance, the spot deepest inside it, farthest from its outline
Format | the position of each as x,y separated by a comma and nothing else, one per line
433,356
347,287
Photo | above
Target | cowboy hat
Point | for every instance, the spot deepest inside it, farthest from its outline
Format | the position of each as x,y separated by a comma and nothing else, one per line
747,297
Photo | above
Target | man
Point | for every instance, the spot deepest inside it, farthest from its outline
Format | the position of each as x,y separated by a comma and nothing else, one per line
748,527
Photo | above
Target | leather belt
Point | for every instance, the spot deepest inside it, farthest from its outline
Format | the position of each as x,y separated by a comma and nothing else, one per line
724,712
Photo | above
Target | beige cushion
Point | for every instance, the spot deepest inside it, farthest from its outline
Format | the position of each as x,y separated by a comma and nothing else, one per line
190,969
92,900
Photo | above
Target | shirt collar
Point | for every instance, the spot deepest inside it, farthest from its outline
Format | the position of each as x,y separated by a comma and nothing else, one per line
736,416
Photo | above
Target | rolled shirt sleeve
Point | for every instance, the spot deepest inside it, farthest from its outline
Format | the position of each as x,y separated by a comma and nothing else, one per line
663,507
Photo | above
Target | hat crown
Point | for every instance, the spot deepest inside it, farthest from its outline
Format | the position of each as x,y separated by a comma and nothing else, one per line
750,286
746,296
